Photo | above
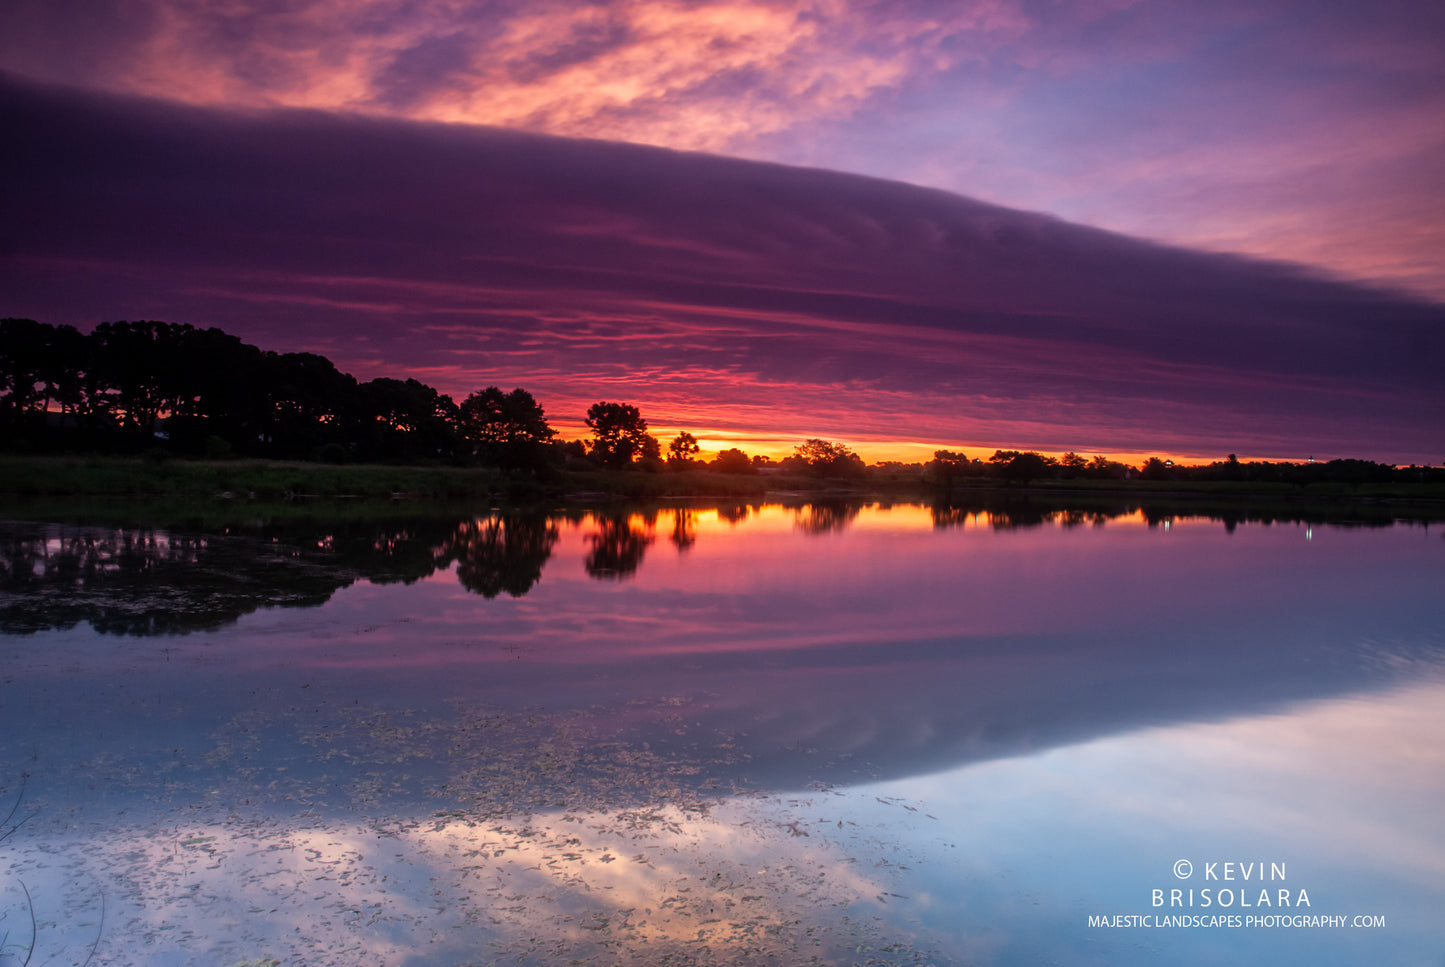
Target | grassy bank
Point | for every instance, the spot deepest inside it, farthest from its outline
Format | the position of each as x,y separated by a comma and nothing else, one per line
140,479
30,476
234,479
1222,489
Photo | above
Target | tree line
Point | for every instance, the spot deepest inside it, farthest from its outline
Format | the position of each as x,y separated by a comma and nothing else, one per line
149,386
1024,467
129,387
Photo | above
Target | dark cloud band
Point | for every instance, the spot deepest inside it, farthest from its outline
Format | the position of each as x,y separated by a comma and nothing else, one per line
539,257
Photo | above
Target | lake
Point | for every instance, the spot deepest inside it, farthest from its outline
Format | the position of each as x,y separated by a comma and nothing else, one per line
781,732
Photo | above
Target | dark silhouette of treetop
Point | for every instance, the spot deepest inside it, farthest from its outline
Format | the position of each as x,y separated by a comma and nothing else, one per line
732,460
682,450
409,418
506,429
35,369
312,404
949,465
621,437
822,458
1022,466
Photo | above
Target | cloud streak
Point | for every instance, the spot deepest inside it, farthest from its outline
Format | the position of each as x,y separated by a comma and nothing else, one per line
1295,129
702,74
701,286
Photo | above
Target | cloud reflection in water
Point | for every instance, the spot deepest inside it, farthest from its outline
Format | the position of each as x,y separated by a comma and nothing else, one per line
978,732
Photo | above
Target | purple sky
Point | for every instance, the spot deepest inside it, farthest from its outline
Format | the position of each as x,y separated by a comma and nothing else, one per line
753,302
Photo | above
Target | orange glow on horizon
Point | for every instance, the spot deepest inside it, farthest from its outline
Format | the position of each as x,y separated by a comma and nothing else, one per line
777,446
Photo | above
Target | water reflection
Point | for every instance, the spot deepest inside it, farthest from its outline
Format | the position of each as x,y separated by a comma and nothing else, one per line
734,513
732,884
502,552
823,728
618,545
148,581
138,581
938,647
827,516
1339,797
684,528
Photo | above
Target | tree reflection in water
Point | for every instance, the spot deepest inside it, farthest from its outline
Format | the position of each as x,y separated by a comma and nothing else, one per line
684,528
138,581
503,552
617,548
734,513
153,581
823,517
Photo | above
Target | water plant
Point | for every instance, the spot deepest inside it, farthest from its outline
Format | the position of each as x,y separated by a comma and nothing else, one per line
23,952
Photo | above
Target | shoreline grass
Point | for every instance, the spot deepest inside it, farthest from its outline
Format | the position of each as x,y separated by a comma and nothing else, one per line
143,480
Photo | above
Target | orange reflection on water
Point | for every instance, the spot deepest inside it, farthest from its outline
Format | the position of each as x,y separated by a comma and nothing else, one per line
740,881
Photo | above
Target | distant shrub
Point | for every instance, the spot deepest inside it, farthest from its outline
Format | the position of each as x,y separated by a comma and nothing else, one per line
733,460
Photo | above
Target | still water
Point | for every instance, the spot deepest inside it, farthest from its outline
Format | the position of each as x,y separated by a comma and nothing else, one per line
775,733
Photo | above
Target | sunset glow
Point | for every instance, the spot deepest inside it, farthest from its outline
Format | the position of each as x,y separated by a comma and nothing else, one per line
508,195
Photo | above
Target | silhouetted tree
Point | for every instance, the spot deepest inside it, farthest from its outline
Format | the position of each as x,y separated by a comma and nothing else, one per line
1155,469
571,454
408,419
138,369
220,393
39,365
1021,466
66,371
505,429
733,460
896,471
824,459
949,466
1102,468
22,350
621,436
682,450
311,405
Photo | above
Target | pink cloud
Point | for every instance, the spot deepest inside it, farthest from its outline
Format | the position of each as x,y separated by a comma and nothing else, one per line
735,298
1282,129
698,75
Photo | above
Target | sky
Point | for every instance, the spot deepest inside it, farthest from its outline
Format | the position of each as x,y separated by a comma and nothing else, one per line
1113,227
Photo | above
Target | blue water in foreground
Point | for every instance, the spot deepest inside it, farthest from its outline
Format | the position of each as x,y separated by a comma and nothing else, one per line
852,733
